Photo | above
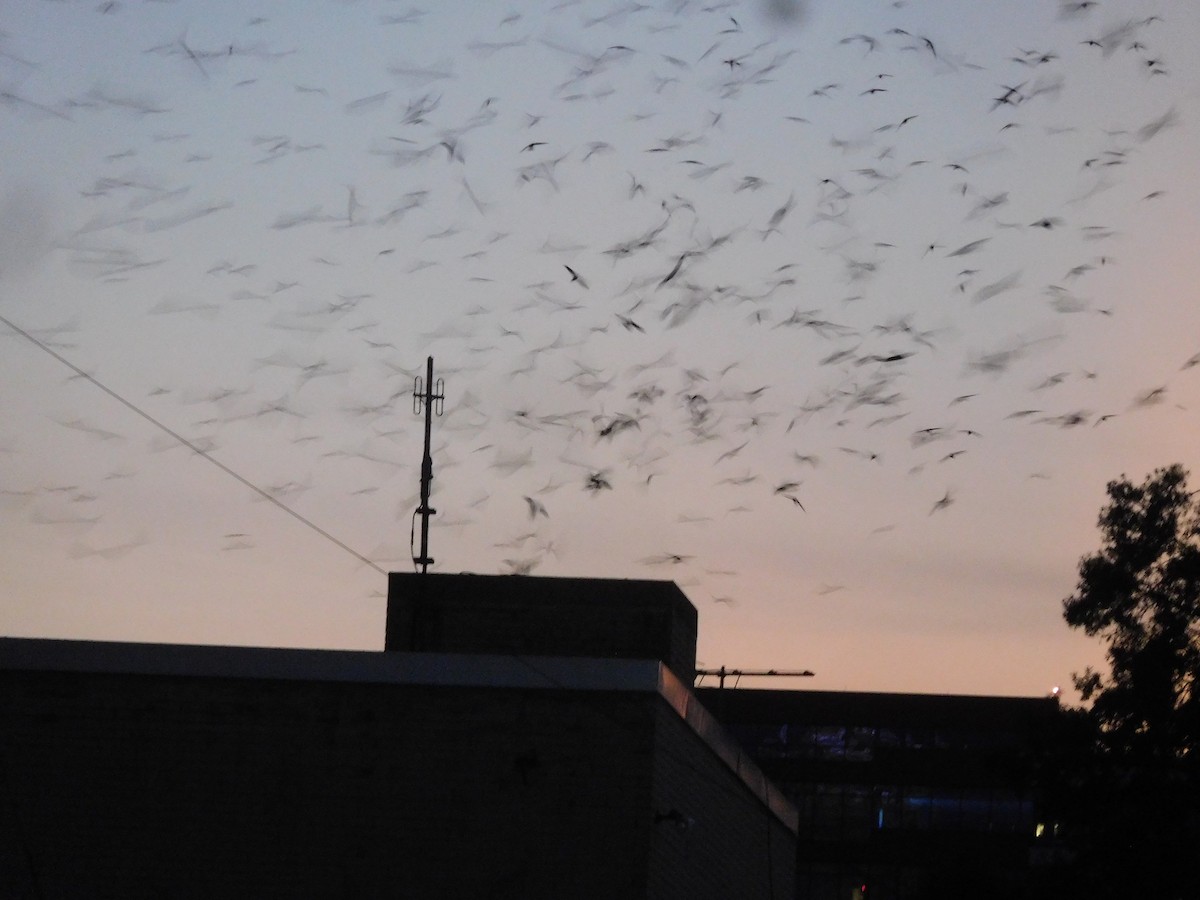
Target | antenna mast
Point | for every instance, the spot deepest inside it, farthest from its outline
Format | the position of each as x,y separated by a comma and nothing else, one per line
722,673
430,397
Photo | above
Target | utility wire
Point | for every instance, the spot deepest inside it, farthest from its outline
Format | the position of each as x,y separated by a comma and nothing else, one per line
192,446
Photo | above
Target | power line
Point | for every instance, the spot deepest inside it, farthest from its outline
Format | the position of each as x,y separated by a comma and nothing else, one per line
192,446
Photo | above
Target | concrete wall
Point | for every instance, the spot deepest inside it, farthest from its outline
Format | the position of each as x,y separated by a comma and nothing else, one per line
587,617
726,845
167,785
128,786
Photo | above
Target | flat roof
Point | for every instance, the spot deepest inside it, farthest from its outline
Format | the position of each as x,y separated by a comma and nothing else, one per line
302,664
461,670
868,708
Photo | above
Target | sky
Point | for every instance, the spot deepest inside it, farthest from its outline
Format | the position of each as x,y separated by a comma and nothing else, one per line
840,315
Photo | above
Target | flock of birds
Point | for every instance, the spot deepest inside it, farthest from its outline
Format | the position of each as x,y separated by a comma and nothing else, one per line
694,274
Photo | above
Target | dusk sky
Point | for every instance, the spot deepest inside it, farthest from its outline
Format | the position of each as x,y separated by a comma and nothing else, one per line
840,315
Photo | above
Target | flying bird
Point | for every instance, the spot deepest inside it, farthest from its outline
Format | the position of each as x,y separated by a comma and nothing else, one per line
943,503
536,508
576,277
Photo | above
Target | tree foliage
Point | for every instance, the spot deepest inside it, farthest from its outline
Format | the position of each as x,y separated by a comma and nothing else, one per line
1127,780
1140,593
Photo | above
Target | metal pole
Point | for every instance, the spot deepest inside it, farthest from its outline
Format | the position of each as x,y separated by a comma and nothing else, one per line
431,395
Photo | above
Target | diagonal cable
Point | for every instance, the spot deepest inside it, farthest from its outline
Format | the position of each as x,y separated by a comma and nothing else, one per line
192,446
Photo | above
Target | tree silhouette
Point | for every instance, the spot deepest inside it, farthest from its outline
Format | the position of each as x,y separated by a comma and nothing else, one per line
1141,594
1131,787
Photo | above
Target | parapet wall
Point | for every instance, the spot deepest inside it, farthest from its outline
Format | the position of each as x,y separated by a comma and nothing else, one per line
602,618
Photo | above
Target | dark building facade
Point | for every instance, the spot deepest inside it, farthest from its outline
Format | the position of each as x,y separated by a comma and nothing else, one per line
607,619
902,796
519,737
137,770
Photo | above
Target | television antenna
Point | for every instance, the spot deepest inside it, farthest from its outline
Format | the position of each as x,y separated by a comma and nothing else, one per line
723,673
428,396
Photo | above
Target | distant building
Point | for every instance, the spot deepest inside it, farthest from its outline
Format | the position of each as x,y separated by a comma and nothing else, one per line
522,737
909,796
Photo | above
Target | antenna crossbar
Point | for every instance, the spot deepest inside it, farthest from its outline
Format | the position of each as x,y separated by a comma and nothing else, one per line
723,673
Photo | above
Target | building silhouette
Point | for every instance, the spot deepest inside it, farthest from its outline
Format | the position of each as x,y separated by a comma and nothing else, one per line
901,795
520,737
